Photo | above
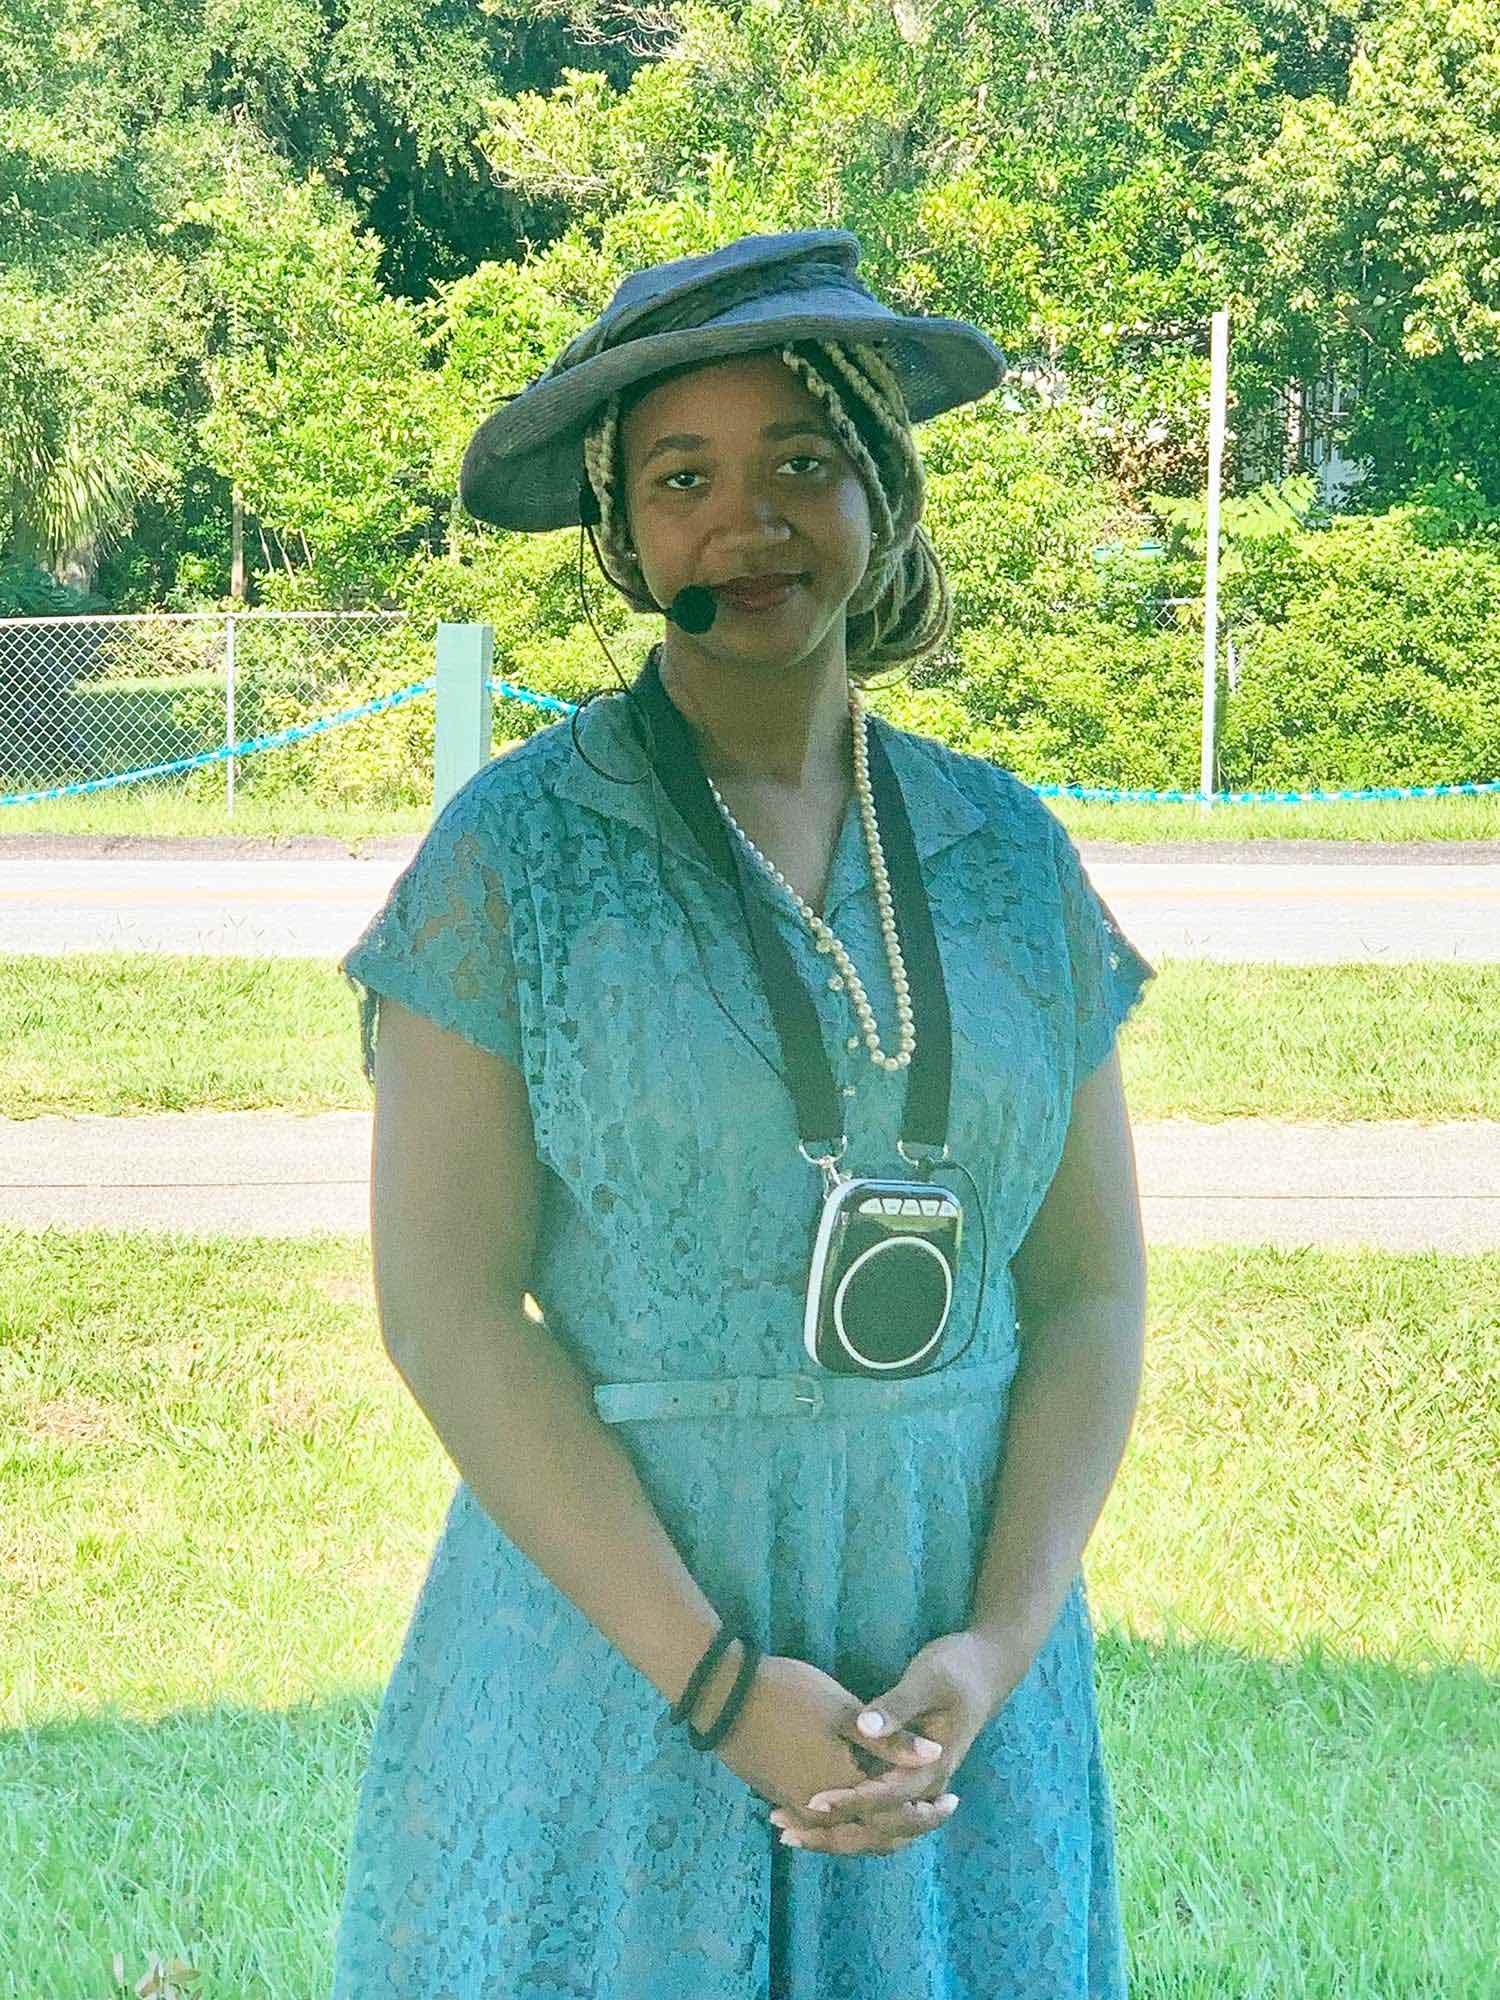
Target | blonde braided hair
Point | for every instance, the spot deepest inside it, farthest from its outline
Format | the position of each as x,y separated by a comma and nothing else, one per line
901,608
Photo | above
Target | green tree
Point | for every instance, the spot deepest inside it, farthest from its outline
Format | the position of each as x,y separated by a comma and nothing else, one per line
118,121
301,248
1373,219
319,382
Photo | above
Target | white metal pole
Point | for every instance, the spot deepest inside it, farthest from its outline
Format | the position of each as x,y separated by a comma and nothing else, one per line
1218,383
464,729
229,715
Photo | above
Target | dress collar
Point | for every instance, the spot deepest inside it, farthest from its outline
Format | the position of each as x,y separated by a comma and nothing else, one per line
940,813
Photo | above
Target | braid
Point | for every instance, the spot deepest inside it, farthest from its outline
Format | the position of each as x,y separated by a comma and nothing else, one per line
901,608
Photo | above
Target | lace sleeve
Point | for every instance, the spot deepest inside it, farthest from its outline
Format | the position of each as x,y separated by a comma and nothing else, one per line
1108,973
441,943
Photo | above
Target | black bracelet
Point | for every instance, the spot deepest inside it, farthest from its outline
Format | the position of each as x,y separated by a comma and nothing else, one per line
706,1739
683,1706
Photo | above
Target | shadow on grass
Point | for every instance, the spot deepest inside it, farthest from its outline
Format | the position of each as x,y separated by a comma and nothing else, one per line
1318,1826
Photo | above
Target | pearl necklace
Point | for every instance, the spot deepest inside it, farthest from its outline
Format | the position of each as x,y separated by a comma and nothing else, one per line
846,978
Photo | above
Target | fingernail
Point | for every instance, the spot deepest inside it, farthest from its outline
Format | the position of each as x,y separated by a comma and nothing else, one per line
790,1839
819,1804
927,1749
872,1721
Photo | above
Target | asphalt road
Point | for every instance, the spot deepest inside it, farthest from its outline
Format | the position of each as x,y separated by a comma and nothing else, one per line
1303,903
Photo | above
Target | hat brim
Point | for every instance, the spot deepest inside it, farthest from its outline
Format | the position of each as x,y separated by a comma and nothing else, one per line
523,466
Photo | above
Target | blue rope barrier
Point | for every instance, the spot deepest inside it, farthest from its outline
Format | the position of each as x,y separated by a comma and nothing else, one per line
1103,794
240,749
1109,795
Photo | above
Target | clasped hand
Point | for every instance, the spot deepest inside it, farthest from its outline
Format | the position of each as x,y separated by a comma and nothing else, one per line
948,1692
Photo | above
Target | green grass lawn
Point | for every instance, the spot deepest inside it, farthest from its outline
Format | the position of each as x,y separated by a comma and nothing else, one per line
124,1033
155,808
219,1501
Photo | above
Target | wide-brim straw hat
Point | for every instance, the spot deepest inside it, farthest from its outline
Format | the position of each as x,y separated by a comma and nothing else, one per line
524,467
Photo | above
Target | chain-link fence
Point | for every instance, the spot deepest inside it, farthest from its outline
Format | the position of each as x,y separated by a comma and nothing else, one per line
335,712
85,698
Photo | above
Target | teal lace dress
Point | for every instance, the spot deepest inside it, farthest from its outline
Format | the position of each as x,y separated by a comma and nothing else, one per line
529,1827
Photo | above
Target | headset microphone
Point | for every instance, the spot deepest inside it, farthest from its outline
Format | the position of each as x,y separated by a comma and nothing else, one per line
694,608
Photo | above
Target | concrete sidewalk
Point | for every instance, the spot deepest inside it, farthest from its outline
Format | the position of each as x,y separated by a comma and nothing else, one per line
1392,1185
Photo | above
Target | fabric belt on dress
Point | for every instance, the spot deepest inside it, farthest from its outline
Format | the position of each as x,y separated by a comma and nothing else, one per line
820,1394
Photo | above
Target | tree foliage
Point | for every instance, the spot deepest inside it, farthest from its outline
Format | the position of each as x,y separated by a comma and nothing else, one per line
298,249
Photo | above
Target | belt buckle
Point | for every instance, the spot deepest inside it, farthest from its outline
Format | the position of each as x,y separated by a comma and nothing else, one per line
807,1394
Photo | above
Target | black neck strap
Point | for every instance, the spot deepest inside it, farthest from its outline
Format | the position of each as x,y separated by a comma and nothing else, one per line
819,1114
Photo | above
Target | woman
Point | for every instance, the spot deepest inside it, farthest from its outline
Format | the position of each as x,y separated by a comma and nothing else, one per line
578,1100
